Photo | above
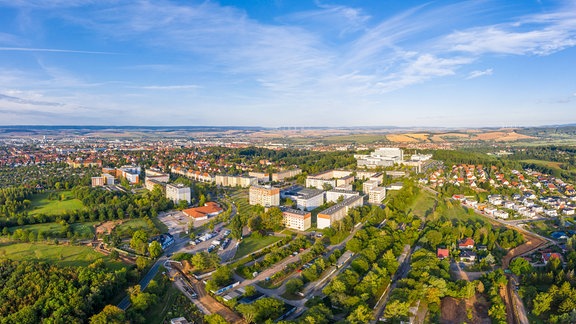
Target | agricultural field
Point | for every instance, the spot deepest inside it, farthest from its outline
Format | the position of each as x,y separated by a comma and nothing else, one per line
42,205
64,255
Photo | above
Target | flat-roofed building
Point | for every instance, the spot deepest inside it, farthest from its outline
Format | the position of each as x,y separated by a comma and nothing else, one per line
261,176
367,185
266,196
335,213
335,194
309,199
376,195
281,175
235,181
151,183
178,192
157,175
98,181
384,156
332,178
297,219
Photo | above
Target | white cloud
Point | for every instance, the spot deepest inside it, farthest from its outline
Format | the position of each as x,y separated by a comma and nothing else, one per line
478,73
170,87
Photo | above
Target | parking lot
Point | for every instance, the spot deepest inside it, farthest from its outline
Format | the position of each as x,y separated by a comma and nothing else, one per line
176,221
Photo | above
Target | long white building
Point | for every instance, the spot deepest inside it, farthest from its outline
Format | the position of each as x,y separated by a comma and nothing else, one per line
178,192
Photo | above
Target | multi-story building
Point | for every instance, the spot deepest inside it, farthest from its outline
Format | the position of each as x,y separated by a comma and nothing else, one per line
332,178
157,175
281,175
130,173
309,199
98,181
368,185
178,192
261,176
235,181
103,180
266,196
384,156
376,195
335,194
297,219
335,213
150,183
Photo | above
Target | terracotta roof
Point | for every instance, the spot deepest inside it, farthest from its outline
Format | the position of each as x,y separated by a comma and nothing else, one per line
207,209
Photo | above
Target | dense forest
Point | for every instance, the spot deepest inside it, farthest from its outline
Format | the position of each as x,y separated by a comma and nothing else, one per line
39,292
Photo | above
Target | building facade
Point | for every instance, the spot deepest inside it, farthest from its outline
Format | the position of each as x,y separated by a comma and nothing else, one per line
376,195
338,211
264,195
178,192
297,219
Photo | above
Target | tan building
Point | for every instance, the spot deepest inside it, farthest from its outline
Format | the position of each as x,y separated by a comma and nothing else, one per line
297,219
369,185
376,195
264,195
98,181
281,175
338,211
235,181
333,178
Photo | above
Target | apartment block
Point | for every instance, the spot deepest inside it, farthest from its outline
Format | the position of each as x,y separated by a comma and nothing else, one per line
335,194
281,175
309,199
297,219
376,195
235,181
266,196
368,185
384,156
335,213
178,192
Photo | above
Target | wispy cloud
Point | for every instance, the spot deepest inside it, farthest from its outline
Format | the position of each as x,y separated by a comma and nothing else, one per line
29,101
478,73
53,50
170,87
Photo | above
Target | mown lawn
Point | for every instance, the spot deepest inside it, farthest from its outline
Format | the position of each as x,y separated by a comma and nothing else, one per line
64,255
127,228
252,243
42,205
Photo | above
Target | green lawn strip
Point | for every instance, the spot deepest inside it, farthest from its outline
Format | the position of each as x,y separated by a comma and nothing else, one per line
253,243
64,255
56,229
127,228
339,237
42,205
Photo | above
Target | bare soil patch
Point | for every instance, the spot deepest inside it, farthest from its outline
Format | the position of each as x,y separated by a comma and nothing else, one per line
472,310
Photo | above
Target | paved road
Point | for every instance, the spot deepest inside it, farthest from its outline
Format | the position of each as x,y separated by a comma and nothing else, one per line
401,273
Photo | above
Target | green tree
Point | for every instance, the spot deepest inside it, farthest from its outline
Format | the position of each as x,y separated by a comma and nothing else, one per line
139,241
109,315
520,266
294,285
361,314
215,319
155,249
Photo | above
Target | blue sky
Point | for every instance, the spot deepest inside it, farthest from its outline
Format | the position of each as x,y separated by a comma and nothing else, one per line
288,63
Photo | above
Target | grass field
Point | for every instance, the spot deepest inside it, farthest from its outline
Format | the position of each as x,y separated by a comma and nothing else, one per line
56,229
126,229
423,204
58,254
252,243
42,205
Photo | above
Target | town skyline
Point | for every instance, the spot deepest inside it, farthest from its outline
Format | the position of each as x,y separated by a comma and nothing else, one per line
311,64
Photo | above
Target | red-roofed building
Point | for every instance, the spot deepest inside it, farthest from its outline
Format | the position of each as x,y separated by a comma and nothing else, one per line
200,213
466,243
442,253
